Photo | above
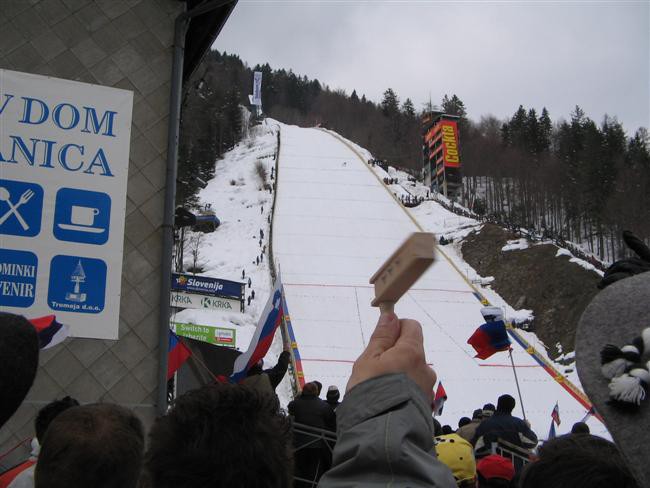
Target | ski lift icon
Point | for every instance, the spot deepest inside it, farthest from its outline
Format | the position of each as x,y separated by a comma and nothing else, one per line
77,277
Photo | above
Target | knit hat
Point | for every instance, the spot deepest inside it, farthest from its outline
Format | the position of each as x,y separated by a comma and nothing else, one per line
495,466
617,314
495,313
458,455
333,393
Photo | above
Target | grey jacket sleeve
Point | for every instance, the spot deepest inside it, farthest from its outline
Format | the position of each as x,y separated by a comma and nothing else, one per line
385,438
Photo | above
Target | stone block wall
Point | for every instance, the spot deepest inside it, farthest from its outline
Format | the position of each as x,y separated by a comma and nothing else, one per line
125,44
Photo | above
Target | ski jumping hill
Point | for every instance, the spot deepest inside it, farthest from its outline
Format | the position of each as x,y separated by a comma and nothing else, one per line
335,223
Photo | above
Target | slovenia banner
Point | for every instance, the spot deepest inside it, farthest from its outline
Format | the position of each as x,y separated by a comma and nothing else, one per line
263,336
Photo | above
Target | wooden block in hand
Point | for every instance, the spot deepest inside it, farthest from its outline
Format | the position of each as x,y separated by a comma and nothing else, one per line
402,269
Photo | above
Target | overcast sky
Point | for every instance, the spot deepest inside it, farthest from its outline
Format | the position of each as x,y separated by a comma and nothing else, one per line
493,55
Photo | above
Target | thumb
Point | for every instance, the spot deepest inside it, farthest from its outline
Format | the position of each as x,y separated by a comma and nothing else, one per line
385,334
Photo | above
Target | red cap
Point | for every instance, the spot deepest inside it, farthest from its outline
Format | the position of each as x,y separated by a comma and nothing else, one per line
494,466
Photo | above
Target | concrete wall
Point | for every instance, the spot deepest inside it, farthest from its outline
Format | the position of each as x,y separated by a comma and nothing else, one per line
124,44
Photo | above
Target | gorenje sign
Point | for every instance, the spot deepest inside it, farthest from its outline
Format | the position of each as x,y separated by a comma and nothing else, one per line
207,286
64,161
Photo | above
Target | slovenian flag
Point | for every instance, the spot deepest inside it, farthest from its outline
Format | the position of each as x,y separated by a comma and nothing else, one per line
555,415
489,338
50,332
439,399
263,336
177,354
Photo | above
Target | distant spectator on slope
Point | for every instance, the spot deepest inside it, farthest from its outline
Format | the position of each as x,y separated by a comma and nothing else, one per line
463,421
446,430
311,455
390,380
488,410
468,431
24,474
221,435
98,446
578,461
503,426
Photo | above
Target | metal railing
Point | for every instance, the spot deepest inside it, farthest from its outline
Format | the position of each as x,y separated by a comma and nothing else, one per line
519,456
314,436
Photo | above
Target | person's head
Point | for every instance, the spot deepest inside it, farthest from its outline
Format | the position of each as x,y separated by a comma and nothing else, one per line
505,404
577,461
18,362
437,428
319,385
458,455
221,435
477,414
98,445
488,410
310,389
463,421
580,428
494,471
333,394
49,412
446,430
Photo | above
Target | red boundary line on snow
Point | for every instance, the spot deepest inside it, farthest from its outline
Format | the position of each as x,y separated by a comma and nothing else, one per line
370,286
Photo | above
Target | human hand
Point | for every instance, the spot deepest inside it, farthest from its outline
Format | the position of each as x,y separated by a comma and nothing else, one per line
625,268
396,346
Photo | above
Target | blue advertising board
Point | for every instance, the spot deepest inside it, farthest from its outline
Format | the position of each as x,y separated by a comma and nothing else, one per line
207,286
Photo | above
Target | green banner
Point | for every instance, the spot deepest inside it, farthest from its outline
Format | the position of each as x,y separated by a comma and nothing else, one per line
219,336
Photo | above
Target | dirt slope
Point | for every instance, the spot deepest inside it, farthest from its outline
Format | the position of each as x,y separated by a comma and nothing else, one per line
556,290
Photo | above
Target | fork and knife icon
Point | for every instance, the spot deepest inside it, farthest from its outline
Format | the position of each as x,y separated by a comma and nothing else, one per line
5,196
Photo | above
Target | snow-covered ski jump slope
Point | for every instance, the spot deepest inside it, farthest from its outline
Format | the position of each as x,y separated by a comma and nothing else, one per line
334,225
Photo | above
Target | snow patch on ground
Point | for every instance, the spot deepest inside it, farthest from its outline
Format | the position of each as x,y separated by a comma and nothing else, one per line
580,262
515,245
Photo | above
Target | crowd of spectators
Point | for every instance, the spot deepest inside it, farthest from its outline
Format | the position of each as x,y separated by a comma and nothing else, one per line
224,435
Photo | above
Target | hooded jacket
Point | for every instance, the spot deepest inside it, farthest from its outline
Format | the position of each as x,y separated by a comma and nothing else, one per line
385,438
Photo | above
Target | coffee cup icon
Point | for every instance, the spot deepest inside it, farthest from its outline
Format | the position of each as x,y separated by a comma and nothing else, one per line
84,216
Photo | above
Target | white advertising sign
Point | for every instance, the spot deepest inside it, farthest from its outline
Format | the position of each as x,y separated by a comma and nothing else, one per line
191,300
257,88
64,162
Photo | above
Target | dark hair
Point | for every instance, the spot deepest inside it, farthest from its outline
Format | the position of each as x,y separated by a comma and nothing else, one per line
319,385
18,362
221,436
437,428
573,461
477,414
580,428
446,430
310,389
49,412
98,445
463,421
505,404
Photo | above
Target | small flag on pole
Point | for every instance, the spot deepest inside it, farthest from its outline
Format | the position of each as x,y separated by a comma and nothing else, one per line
50,332
555,414
177,354
490,338
439,399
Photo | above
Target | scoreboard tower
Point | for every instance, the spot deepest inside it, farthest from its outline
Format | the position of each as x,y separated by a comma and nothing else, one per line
440,153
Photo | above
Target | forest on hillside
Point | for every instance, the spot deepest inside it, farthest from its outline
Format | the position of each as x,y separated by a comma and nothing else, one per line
580,180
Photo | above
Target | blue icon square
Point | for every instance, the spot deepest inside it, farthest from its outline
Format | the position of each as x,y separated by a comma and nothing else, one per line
82,216
77,284
21,208
18,272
